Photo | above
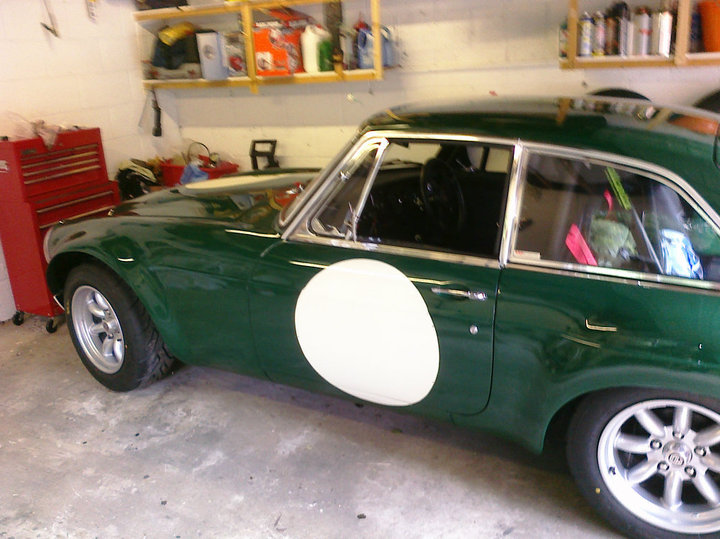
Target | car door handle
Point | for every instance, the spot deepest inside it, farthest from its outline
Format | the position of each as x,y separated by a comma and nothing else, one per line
600,327
475,295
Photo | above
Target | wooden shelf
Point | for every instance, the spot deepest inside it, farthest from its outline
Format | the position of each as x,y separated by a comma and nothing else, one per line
245,8
298,78
681,58
226,8
610,62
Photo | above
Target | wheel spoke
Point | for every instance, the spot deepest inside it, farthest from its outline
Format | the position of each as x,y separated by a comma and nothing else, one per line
712,461
632,444
707,488
95,309
642,472
650,422
682,420
709,436
107,348
672,493
100,300
96,329
118,348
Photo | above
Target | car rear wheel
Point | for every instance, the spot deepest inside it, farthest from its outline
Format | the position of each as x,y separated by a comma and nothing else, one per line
649,461
111,330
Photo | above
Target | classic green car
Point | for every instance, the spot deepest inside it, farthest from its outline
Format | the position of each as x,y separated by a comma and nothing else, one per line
506,265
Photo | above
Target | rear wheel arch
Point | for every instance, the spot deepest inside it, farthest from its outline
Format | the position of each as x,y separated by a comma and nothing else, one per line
581,425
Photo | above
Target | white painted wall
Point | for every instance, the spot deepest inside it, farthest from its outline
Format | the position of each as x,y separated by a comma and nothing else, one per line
89,76
448,49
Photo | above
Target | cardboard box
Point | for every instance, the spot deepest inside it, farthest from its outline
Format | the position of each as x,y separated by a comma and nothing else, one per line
277,41
234,57
211,56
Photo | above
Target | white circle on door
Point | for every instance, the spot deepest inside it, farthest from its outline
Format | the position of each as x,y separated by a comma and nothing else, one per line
364,327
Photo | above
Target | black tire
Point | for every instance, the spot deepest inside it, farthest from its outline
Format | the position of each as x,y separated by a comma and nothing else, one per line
142,357
600,434
710,102
619,92
18,318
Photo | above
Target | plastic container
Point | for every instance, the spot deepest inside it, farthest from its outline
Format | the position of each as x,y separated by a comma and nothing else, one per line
171,173
365,44
310,44
710,20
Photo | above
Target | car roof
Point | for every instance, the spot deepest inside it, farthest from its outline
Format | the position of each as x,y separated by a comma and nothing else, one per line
681,139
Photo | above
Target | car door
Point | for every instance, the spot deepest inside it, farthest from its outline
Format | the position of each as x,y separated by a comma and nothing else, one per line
374,296
612,274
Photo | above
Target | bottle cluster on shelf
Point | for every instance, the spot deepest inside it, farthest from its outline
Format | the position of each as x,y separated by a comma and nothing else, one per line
624,31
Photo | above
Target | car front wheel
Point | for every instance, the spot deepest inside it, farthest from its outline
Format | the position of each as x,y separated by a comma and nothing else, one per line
649,461
111,330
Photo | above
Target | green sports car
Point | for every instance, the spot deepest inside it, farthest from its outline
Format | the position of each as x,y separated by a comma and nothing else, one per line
505,265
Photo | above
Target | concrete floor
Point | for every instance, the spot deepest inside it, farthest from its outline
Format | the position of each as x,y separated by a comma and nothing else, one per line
211,454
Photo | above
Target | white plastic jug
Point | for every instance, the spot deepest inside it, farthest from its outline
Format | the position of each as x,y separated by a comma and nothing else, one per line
309,42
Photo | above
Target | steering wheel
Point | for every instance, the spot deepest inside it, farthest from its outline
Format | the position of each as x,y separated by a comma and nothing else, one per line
442,196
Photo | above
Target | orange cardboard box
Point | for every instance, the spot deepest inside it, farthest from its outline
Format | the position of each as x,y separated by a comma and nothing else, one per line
277,42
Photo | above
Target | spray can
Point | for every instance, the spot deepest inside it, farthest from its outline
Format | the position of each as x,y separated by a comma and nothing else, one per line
661,33
643,31
624,33
599,35
586,35
611,33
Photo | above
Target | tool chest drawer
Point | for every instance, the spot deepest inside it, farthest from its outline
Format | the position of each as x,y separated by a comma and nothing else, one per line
96,200
39,187
29,169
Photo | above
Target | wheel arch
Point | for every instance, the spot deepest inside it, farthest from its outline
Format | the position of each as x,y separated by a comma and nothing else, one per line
141,282
560,417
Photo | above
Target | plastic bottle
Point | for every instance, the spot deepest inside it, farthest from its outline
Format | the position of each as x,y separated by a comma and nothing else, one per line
310,43
325,49
563,39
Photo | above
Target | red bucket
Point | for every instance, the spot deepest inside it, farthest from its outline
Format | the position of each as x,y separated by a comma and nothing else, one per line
172,173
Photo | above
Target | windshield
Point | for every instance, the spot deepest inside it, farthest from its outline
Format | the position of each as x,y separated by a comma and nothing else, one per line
291,209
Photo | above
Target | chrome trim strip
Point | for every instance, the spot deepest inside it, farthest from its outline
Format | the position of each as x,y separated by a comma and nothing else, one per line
307,237
598,327
512,204
644,280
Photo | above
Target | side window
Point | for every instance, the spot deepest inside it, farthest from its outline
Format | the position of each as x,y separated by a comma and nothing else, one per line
335,219
436,195
599,214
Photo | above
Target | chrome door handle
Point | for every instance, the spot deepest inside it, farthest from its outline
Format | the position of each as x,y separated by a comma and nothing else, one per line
459,294
598,327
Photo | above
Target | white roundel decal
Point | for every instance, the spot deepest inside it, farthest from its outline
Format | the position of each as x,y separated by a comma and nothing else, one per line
364,327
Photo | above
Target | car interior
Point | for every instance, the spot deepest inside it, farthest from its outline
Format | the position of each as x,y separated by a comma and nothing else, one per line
612,217
446,196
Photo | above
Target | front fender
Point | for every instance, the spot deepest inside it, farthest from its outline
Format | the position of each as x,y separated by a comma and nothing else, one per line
71,246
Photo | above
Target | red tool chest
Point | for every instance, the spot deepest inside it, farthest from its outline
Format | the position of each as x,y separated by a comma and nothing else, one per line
39,186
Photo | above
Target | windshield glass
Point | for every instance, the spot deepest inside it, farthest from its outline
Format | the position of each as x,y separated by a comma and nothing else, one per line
291,209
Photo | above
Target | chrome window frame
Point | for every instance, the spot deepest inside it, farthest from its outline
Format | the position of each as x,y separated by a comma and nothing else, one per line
650,170
299,229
